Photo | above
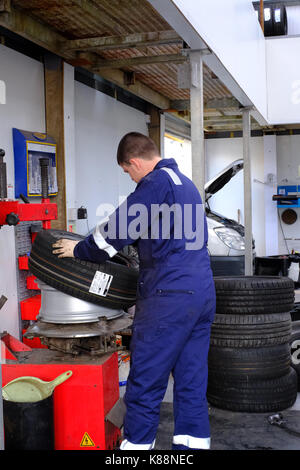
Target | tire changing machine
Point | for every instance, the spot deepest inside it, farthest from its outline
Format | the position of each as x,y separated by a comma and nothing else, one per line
69,334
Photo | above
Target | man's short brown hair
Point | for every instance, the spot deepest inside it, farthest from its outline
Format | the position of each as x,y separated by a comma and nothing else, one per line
136,145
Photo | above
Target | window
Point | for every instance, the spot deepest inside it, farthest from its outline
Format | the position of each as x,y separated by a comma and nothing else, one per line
267,14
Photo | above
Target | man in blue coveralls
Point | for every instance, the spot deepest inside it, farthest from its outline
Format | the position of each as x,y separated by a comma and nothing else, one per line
175,297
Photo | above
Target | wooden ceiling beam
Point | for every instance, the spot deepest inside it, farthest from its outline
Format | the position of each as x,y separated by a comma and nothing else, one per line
135,61
136,41
222,103
29,28
215,104
139,89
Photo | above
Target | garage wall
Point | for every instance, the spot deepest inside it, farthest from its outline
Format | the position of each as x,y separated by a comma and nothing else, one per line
230,199
231,31
220,152
100,123
288,162
293,19
24,109
181,150
283,89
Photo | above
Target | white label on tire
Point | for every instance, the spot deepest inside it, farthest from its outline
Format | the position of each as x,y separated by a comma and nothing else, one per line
100,283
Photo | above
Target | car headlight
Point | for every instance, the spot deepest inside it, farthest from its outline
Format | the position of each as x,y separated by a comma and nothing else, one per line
231,238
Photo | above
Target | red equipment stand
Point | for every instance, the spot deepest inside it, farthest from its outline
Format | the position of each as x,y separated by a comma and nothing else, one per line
82,403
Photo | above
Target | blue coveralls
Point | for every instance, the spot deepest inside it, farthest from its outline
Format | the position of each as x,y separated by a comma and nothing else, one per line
174,310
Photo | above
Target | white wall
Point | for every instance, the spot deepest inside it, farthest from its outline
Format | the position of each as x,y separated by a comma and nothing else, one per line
293,19
181,151
219,154
288,161
24,109
283,80
278,156
232,32
100,123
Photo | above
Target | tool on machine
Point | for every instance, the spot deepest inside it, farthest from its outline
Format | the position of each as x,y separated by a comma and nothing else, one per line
71,325
12,211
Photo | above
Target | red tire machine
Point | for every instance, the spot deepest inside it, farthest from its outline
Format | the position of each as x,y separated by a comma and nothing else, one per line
87,411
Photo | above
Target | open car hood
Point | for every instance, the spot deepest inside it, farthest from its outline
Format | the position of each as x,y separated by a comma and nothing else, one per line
217,183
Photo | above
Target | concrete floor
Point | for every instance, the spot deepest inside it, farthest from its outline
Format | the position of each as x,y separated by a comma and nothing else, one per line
234,430
238,431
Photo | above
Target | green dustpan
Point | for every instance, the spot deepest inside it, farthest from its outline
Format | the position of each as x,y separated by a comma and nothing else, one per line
31,389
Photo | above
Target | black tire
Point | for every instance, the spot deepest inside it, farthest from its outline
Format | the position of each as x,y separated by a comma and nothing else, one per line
74,276
250,331
295,349
254,396
240,364
259,283
254,294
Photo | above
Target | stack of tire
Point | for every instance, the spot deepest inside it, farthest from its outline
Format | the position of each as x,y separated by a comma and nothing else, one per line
295,349
249,362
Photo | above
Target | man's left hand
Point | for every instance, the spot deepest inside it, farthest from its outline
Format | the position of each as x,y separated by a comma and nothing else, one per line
65,248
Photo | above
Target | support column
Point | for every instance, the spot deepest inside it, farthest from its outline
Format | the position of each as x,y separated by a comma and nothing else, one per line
162,134
270,178
154,126
197,122
247,192
54,93
69,145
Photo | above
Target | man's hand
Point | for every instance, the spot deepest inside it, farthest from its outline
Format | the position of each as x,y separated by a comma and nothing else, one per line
65,248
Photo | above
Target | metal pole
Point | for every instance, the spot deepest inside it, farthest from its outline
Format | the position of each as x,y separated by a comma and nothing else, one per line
262,15
3,299
247,192
197,122
1,405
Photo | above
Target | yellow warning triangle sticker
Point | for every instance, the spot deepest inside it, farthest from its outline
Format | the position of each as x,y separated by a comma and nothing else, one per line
86,441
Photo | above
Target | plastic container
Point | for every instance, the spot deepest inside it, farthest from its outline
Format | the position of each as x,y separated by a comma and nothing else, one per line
124,368
29,426
28,413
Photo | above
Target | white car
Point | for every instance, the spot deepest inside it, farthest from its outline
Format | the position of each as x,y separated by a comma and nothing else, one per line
226,243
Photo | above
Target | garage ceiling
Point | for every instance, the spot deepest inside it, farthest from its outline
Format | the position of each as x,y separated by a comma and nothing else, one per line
127,43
